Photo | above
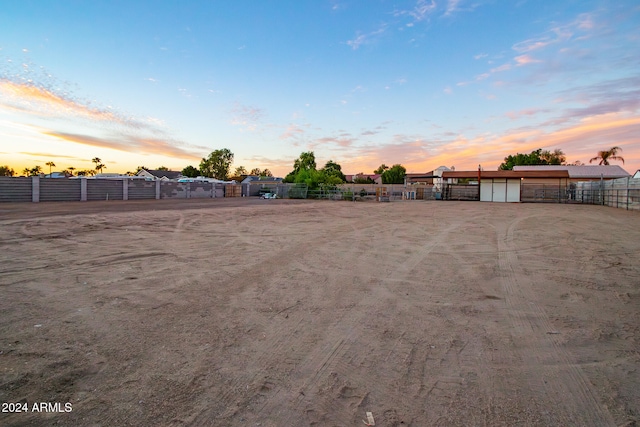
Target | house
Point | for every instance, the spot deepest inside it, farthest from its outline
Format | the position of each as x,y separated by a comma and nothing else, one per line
255,178
56,175
579,173
253,185
433,177
508,186
159,174
637,174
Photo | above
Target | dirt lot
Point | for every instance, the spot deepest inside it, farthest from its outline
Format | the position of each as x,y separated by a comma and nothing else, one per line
273,313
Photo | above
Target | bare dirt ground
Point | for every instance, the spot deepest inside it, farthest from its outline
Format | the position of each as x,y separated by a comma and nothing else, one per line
274,313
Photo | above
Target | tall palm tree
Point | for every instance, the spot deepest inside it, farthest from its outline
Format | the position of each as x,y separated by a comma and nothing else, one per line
98,162
50,164
606,155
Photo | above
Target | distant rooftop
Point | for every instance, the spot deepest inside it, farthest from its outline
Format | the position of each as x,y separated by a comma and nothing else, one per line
514,174
585,171
162,173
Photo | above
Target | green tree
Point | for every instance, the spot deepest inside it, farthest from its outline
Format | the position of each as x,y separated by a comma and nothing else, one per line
536,157
218,164
312,177
50,164
381,169
333,170
556,157
240,170
36,170
99,165
162,168
6,171
266,172
362,179
394,175
306,162
255,172
70,169
190,172
606,155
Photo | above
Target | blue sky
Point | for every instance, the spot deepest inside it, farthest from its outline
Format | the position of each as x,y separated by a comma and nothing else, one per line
421,83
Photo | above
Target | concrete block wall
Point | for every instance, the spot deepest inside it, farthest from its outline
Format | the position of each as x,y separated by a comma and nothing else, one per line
15,189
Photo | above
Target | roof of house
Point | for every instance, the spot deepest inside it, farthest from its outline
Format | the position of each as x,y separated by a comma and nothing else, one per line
256,178
163,173
420,175
637,174
56,175
583,171
507,174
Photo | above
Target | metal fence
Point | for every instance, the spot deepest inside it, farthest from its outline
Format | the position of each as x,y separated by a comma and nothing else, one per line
36,189
461,192
543,193
621,193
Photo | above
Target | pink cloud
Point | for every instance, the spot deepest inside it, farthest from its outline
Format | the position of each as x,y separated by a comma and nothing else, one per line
525,60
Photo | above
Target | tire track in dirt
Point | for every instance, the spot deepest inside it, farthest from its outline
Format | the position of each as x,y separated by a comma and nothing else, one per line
329,356
324,407
252,394
563,379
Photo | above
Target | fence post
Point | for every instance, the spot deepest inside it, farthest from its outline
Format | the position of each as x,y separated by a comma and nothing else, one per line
125,189
627,193
35,189
83,189
157,189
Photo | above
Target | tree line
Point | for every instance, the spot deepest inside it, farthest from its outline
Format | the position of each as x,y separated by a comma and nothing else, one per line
218,165
556,157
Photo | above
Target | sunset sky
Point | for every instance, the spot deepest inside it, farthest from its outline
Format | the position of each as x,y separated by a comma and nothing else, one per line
423,83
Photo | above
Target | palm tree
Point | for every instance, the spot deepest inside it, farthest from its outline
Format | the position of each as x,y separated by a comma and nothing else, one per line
98,162
50,164
606,155
71,169
26,172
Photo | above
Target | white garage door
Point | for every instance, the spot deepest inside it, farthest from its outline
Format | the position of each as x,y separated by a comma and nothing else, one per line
500,190
513,190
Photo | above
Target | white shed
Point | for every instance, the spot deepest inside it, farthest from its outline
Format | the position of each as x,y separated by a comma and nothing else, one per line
500,190
506,186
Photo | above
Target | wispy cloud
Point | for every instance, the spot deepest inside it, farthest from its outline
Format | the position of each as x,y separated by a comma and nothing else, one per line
558,33
129,144
366,38
452,7
41,101
529,112
292,131
421,11
342,141
525,60
45,102
247,117
613,96
51,155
